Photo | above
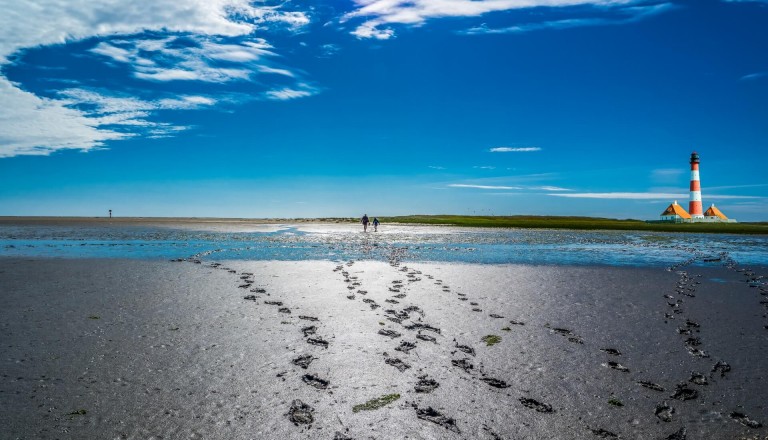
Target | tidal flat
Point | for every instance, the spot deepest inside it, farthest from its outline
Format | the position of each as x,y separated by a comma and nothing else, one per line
216,340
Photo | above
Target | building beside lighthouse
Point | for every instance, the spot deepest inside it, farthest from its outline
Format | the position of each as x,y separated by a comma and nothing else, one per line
677,214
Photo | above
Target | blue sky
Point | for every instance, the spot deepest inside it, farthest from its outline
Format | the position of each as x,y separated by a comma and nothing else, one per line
238,108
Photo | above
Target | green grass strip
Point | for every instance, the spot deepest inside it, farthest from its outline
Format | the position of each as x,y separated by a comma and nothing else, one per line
376,403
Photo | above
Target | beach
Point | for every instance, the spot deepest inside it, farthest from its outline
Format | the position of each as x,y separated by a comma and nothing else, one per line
201,347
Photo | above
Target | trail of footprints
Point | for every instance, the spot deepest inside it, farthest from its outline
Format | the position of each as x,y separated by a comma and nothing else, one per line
410,317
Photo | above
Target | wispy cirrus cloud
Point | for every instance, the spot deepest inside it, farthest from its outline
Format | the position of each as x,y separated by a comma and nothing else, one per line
301,90
754,76
645,196
507,187
514,149
40,125
494,187
191,58
379,15
619,16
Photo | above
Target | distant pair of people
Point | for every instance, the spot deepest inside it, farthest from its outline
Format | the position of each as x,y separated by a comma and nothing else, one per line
365,222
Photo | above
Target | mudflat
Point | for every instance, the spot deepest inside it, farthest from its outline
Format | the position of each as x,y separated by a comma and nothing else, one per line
114,348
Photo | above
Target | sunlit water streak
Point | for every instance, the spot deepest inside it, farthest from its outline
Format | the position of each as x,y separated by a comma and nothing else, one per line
482,246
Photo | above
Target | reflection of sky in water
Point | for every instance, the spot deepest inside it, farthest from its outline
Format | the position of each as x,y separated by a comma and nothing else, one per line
483,246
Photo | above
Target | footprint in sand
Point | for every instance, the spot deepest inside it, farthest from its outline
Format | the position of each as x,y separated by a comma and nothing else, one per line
464,364
389,333
300,413
427,338
536,405
682,392
320,342
664,412
397,363
431,415
746,421
405,346
651,385
426,385
303,361
315,381
309,330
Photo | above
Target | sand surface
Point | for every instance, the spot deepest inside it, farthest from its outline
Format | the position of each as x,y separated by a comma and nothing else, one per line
101,349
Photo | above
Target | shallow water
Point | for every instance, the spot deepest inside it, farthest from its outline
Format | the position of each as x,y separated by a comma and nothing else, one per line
402,243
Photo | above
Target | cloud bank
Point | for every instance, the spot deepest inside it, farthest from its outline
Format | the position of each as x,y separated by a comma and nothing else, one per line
32,124
379,14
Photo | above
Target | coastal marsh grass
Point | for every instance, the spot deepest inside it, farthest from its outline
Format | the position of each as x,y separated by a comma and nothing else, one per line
579,223
491,340
376,403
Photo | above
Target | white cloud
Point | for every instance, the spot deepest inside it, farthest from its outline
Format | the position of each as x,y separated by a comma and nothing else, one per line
288,93
196,59
485,167
461,185
415,12
504,187
645,196
31,124
625,15
754,76
514,150
435,167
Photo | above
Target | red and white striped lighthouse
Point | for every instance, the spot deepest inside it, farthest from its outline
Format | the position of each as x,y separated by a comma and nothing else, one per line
694,206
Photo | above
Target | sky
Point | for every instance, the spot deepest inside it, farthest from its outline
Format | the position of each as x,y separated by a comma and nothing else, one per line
331,108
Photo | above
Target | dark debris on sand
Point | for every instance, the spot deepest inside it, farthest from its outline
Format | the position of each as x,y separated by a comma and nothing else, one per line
308,318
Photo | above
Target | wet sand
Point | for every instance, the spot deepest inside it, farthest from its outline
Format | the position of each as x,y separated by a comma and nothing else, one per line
238,350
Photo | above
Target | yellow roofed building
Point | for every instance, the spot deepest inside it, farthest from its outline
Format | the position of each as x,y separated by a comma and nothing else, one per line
714,214
675,213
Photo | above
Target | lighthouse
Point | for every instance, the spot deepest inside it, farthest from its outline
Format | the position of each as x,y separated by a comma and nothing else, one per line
694,206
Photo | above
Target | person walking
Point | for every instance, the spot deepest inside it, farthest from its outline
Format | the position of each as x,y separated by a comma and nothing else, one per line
375,224
365,222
